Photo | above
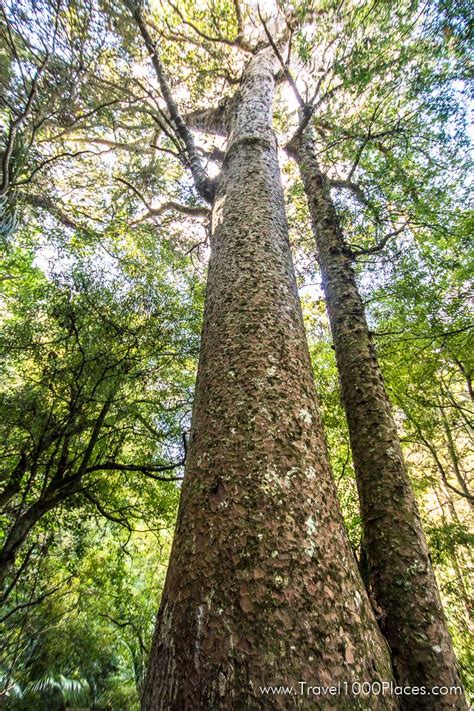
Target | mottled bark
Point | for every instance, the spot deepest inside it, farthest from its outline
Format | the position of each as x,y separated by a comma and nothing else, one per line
399,568
262,586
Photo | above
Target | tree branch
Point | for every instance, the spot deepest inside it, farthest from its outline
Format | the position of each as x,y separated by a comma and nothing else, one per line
43,202
170,205
103,512
212,120
15,125
237,42
353,187
305,108
194,210
239,18
204,185
358,251
147,469
36,601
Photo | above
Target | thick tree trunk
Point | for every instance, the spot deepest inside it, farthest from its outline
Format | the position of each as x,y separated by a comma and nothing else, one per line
400,571
262,586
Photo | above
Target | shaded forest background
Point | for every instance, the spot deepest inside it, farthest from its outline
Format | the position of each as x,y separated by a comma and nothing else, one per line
104,251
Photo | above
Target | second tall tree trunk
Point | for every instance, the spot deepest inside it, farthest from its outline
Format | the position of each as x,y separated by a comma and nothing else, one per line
400,572
262,586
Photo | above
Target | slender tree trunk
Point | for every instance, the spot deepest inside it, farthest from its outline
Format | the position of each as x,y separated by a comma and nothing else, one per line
400,571
455,459
262,586
462,588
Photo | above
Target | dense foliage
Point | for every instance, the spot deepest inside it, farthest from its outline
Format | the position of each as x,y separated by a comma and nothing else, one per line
104,244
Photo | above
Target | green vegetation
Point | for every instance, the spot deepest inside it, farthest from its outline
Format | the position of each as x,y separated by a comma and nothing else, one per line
104,247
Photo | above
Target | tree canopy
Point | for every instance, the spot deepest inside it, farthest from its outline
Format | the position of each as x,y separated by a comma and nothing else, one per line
105,240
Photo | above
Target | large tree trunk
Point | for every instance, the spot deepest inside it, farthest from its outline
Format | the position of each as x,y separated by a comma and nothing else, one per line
400,571
262,586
